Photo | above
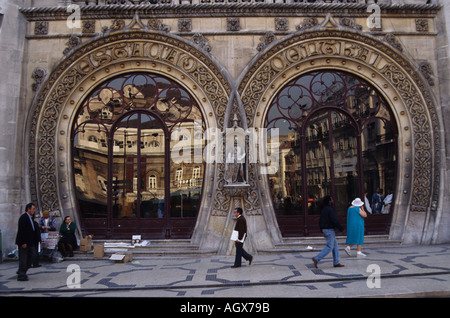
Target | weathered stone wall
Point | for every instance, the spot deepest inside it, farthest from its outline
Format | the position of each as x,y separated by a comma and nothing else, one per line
13,110
442,233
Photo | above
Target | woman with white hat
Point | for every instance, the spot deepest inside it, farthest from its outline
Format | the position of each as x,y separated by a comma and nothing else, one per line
355,227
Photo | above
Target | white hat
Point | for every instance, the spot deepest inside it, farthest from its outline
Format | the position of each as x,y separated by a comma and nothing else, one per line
357,202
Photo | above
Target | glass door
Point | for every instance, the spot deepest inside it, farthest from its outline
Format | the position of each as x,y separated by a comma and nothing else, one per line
332,166
137,199
125,179
338,137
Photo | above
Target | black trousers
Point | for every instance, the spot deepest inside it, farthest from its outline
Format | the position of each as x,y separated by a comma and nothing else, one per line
240,252
27,256
65,249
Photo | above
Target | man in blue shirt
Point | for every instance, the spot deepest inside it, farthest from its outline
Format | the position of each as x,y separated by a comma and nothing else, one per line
328,222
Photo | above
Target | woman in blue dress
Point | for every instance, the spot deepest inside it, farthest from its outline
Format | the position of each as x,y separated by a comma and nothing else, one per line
355,227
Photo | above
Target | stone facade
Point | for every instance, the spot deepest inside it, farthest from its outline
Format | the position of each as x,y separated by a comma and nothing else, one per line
233,57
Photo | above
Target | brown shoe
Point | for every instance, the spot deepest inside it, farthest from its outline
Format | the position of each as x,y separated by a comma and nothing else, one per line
315,262
338,265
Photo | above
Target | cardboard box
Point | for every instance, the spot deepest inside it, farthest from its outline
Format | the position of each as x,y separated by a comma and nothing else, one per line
121,258
99,250
86,244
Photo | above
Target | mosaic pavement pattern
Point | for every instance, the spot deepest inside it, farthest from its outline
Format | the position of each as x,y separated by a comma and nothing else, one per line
400,270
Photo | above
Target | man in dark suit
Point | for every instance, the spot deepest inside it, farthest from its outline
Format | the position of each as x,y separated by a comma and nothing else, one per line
26,240
241,227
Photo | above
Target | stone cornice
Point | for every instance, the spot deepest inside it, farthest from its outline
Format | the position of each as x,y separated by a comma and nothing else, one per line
223,10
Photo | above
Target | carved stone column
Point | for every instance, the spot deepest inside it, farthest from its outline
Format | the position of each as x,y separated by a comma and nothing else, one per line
237,192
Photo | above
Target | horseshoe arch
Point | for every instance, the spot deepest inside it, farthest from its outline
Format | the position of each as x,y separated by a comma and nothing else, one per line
412,102
81,71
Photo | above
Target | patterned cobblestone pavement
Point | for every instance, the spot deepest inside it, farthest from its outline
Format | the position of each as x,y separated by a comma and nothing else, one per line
393,271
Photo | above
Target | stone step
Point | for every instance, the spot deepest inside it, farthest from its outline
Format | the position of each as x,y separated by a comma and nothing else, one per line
183,248
154,248
309,244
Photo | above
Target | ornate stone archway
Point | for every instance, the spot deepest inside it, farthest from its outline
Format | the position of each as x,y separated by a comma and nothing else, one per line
329,46
54,108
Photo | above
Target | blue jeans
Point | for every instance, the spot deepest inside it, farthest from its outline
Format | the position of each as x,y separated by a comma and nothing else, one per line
332,246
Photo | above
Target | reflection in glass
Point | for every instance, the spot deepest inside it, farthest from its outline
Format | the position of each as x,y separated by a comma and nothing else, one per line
90,165
186,178
286,185
345,161
318,160
138,163
379,163
125,128
338,137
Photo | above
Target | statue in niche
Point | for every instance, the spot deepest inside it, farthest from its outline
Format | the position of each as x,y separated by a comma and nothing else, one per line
235,172
235,160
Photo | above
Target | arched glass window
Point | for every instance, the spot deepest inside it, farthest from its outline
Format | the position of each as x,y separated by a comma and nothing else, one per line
122,136
337,137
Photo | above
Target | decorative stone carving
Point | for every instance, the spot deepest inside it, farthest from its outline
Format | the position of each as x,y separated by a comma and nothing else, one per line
281,24
393,41
41,28
116,25
157,25
88,27
268,38
233,24
221,198
201,41
308,23
422,25
427,71
73,42
184,25
350,23
38,75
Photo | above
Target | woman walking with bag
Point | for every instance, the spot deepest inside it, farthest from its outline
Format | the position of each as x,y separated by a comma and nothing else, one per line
355,227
